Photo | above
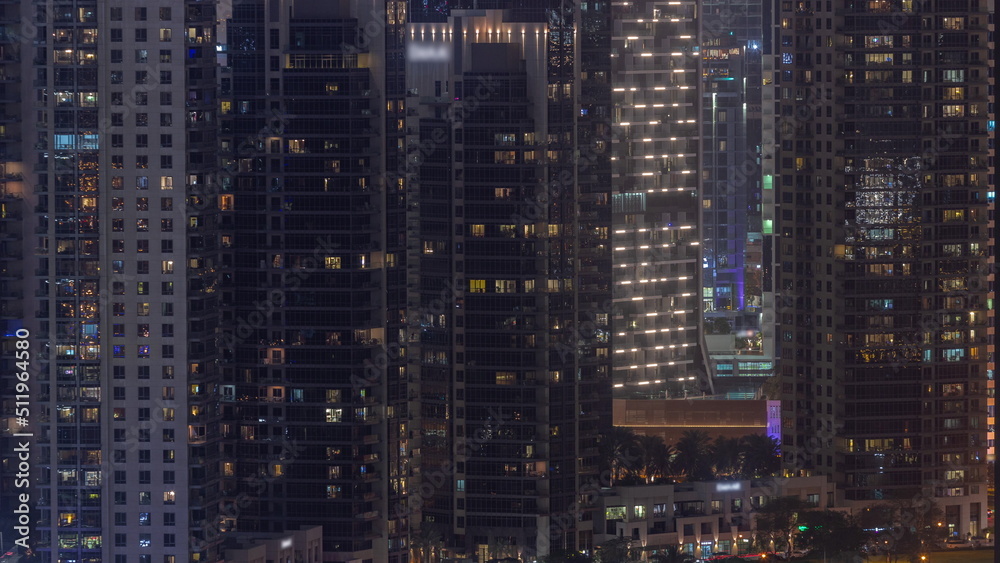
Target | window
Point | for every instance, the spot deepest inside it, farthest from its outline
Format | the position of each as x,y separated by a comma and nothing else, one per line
166,141
167,288
145,519
169,519
115,14
141,56
144,456
116,56
169,477
169,540
145,477
116,35
477,286
166,161
165,55
140,35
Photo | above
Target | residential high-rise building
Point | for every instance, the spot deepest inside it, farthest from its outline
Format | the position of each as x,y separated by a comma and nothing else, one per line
739,345
657,72
122,98
882,246
731,62
11,258
508,127
315,386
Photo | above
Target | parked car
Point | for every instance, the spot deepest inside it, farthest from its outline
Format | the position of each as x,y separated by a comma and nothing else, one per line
980,541
957,543
792,555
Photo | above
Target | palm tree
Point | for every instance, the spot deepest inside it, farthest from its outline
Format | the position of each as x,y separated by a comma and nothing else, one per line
619,452
655,458
672,554
694,457
726,453
760,455
425,545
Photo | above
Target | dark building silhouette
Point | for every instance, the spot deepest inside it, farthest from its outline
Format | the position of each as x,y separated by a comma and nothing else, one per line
314,384
508,128
882,245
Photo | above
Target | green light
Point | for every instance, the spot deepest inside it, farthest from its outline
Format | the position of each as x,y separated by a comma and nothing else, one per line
768,226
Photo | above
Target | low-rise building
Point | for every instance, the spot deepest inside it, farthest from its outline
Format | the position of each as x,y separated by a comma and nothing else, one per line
294,546
701,517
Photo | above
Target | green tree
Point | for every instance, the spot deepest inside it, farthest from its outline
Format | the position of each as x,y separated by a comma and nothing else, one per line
619,452
655,458
726,454
718,325
829,532
908,527
672,554
618,550
426,544
563,556
760,456
775,523
694,456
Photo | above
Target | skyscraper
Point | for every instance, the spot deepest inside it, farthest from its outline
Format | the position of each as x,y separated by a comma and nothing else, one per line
314,386
882,209
123,100
657,201
508,126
